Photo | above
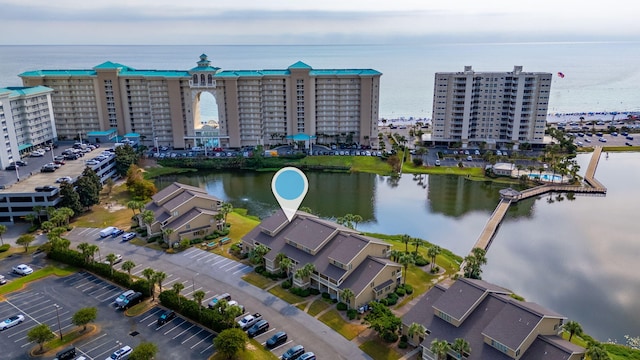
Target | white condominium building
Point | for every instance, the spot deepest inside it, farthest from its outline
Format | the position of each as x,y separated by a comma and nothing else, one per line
27,121
255,107
503,109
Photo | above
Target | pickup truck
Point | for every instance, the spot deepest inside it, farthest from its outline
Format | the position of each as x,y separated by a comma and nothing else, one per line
246,322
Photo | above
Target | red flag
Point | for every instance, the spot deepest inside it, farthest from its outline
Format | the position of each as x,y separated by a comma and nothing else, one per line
560,75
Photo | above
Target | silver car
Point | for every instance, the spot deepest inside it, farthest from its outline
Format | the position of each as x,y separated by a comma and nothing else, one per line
12,321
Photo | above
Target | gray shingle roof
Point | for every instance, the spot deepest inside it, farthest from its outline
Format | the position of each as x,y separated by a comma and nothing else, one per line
310,234
551,348
188,216
160,195
362,276
463,296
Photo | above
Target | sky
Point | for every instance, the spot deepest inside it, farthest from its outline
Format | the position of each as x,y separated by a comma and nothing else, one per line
249,22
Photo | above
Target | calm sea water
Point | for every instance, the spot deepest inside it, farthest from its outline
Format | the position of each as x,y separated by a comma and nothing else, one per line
578,257
599,76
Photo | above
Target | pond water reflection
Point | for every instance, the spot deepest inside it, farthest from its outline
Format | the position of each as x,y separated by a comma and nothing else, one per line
577,257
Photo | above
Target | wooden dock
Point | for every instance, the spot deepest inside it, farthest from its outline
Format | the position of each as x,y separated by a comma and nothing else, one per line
593,187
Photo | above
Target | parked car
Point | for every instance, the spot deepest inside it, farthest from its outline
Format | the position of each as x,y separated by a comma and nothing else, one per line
117,260
68,179
307,356
22,269
293,353
12,321
3,280
277,339
258,328
122,297
134,299
166,316
128,236
117,232
122,353
217,298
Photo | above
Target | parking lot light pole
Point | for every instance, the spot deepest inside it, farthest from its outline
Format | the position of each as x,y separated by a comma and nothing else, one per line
193,281
58,316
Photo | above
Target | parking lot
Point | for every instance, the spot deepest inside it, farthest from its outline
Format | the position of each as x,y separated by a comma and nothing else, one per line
53,298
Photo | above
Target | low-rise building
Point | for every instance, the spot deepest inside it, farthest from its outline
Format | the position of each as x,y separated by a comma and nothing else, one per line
503,169
342,258
495,325
190,212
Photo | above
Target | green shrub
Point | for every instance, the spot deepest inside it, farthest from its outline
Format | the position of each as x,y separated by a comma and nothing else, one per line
400,291
408,289
435,269
300,292
211,236
341,306
4,248
384,302
404,338
389,336
420,261
286,284
403,344
314,291
326,295
352,314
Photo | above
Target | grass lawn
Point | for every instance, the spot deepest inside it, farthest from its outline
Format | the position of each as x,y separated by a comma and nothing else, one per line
18,250
258,280
286,295
333,320
317,306
36,275
155,171
378,350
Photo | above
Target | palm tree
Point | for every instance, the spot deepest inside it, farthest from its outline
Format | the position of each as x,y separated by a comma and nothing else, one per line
433,251
148,217
394,254
111,258
405,260
285,265
573,328
258,253
92,249
148,274
177,287
416,329
3,229
356,219
158,278
305,271
225,209
128,266
406,239
166,233
347,294
134,205
595,351
440,348
461,346
198,296
417,242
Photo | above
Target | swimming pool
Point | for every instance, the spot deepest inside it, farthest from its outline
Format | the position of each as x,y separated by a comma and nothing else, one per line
546,177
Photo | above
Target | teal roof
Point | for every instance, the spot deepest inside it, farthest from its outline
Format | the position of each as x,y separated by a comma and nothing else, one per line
66,73
350,72
299,65
110,65
101,133
155,73
131,135
24,146
313,72
24,91
205,69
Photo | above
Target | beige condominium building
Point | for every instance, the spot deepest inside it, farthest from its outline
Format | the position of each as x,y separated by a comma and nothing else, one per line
499,109
255,107
27,120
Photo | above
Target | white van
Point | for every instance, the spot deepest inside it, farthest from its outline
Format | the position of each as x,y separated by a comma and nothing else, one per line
107,231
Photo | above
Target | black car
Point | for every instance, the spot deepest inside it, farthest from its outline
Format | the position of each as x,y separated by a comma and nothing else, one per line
277,339
71,157
48,169
132,300
166,317
293,353
117,232
20,163
258,328
11,167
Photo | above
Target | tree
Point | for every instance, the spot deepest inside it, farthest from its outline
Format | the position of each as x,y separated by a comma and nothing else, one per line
111,258
198,296
347,294
405,260
84,316
134,205
40,334
382,320
31,218
418,242
416,329
128,266
356,220
166,234
65,213
108,184
473,263
3,229
70,198
148,274
177,287
144,351
440,348
230,342
433,251
394,255
461,347
84,249
125,157
573,328
595,351
92,250
225,209
158,278
25,240
88,187
285,265
406,239
148,217
257,254
305,271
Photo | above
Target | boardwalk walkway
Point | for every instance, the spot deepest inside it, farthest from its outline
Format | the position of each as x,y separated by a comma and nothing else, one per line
491,227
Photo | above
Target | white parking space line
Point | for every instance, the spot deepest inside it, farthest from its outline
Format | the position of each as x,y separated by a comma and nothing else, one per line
192,291
278,347
236,266
25,313
208,347
206,256
111,350
191,337
231,262
183,331
195,253
172,280
224,259
153,313
203,339
190,252
214,258
100,289
265,333
22,294
173,328
92,340
108,296
243,269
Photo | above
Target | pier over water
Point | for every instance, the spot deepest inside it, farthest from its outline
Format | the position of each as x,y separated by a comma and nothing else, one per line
509,196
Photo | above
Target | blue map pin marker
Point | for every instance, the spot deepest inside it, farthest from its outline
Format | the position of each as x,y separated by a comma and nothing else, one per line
289,186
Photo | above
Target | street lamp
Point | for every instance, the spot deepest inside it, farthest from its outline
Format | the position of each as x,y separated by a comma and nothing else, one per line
58,316
155,141
193,281
17,174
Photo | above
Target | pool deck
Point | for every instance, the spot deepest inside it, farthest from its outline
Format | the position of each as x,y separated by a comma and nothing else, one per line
492,225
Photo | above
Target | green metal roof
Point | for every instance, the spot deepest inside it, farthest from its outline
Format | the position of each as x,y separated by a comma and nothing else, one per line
205,69
65,73
24,146
16,91
131,135
350,72
109,65
155,73
299,65
101,133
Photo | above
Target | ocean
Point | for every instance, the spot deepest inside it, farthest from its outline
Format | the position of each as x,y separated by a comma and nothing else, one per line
599,76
